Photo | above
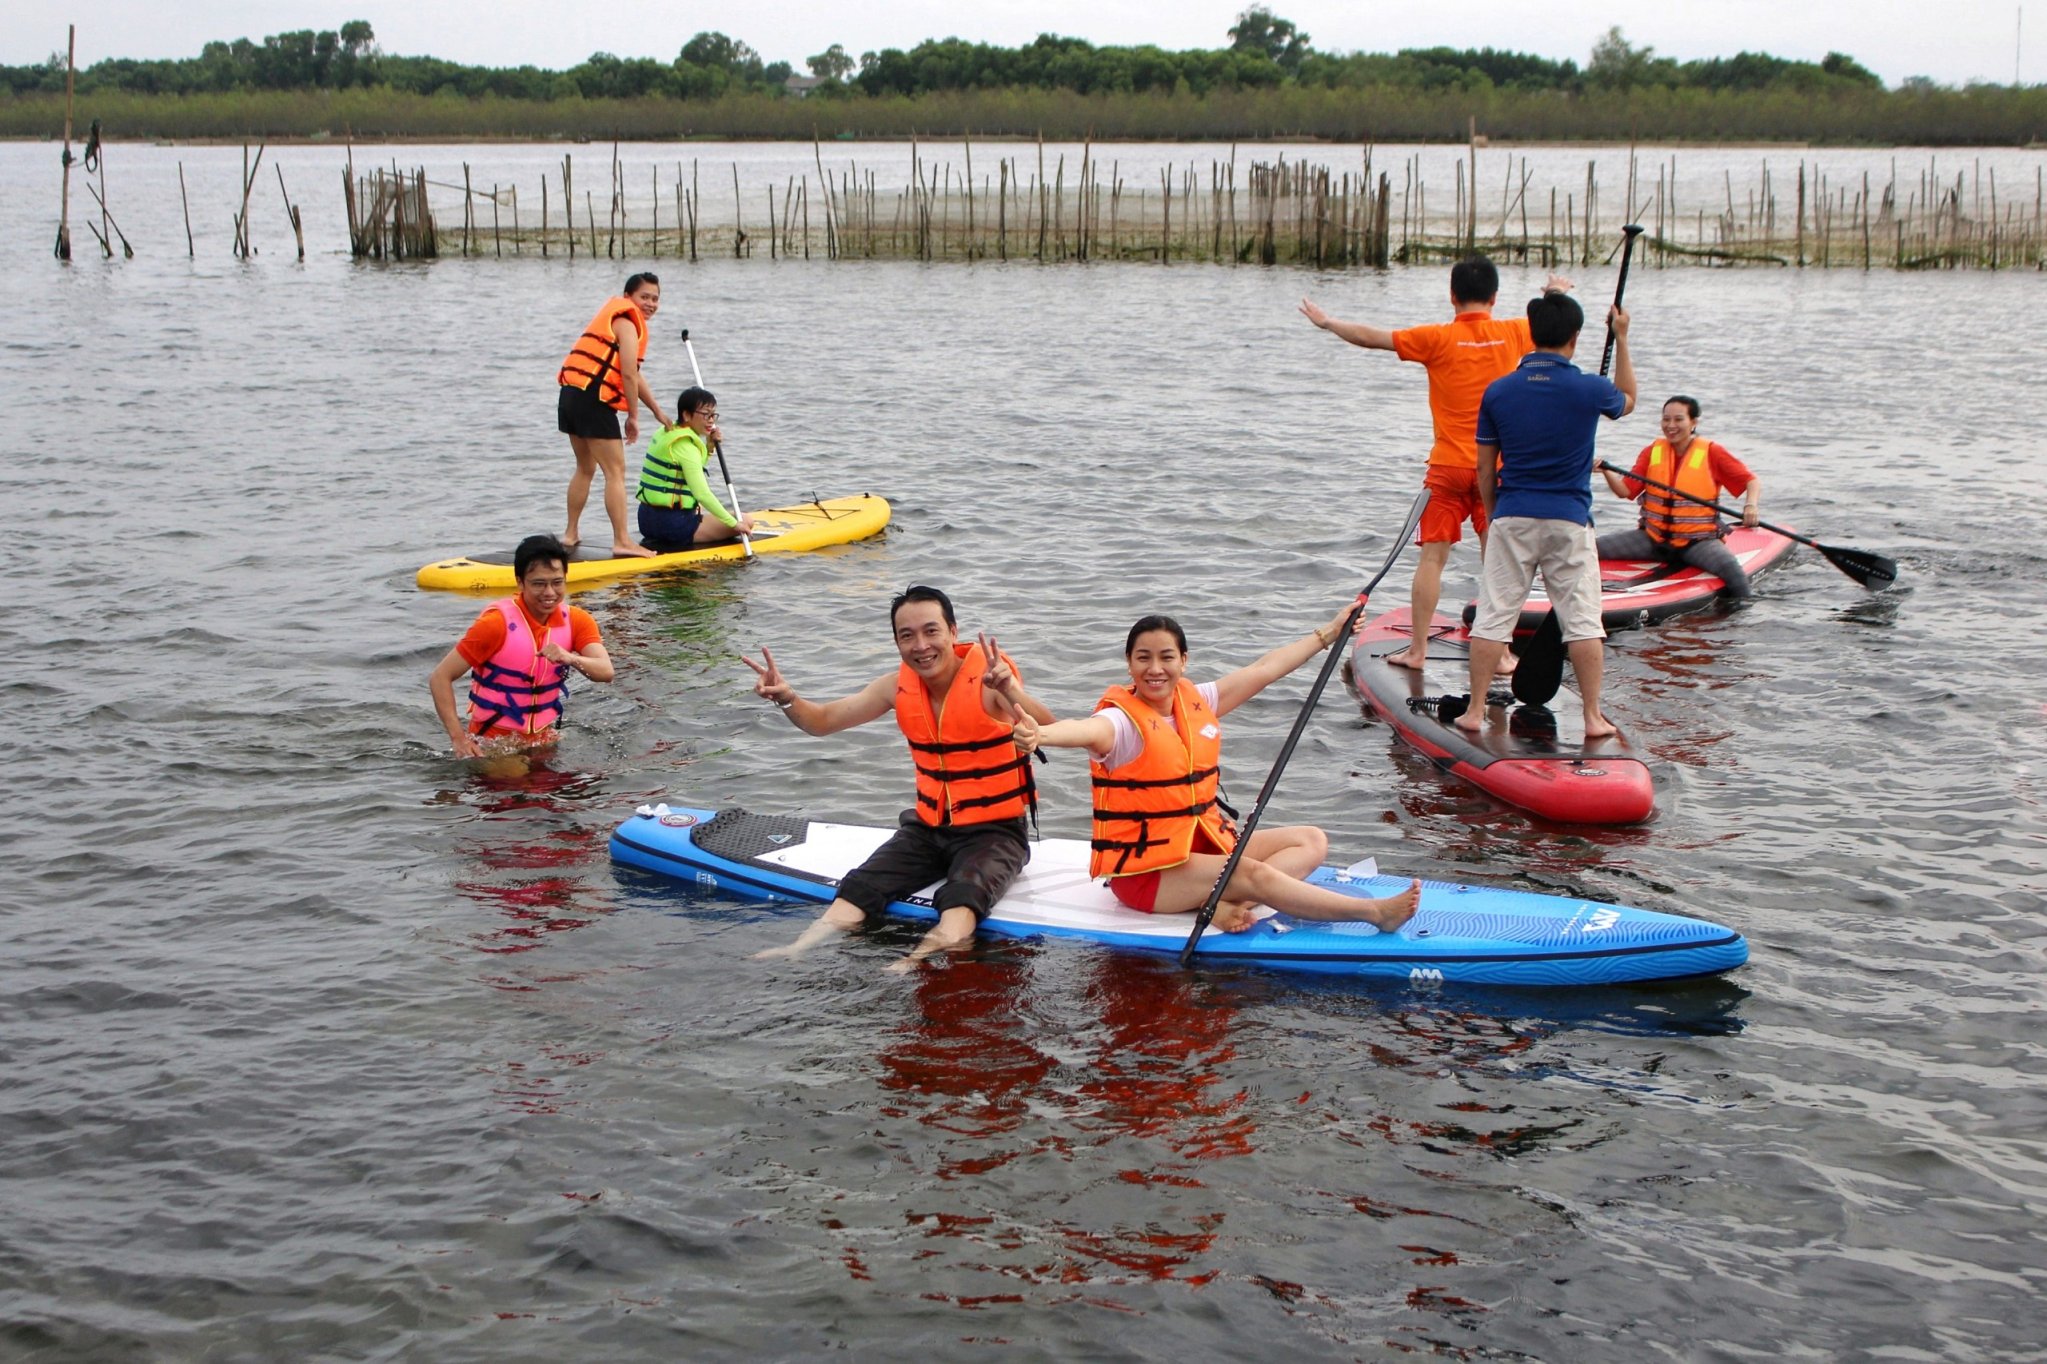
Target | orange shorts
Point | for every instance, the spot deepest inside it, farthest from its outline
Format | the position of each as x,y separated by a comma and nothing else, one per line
1453,500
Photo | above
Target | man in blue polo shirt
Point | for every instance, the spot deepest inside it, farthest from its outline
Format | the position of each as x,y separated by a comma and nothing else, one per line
1535,437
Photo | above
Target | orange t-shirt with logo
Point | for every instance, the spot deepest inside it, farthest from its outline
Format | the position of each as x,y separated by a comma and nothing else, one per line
1462,357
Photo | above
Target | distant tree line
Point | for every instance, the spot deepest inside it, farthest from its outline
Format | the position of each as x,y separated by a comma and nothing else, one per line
1269,81
1265,52
709,65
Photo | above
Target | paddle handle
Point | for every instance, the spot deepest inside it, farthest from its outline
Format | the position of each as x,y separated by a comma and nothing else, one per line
1222,880
1620,289
1722,508
731,494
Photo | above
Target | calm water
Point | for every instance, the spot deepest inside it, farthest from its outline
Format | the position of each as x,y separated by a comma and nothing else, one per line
321,1044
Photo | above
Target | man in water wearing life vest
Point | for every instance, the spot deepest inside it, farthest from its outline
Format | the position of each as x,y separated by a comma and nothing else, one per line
1536,429
673,493
955,704
1462,356
600,379
519,654
1674,529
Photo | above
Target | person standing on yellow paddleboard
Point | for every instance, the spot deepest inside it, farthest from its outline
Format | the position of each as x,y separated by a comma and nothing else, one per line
600,379
674,496
519,654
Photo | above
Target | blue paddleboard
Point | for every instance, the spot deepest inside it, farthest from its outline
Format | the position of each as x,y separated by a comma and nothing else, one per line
1474,934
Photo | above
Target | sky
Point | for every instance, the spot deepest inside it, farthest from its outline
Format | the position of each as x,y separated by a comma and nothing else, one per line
1952,42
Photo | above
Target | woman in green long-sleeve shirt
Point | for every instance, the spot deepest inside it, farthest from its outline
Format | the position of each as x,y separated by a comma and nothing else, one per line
678,510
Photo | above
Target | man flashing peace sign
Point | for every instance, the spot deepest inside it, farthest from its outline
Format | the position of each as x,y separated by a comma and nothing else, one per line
955,704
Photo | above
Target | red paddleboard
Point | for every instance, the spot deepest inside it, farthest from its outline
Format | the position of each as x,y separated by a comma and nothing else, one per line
1528,756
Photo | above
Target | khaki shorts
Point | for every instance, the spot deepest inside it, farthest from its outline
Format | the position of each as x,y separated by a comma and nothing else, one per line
1568,555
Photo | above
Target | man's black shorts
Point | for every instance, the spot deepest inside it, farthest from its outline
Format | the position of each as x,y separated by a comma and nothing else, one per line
976,862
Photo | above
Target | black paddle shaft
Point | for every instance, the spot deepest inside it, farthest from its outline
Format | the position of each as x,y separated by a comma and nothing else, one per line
1286,751
1620,288
1866,568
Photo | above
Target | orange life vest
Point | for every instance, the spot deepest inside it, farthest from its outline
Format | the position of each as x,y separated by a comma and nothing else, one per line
593,360
1146,815
1672,520
515,690
968,768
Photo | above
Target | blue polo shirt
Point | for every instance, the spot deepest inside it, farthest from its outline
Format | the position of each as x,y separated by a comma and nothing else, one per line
1543,418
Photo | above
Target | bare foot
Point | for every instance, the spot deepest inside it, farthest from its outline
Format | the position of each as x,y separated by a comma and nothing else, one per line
1406,659
632,552
1233,916
1507,664
1472,722
1394,910
572,543
1599,727
772,953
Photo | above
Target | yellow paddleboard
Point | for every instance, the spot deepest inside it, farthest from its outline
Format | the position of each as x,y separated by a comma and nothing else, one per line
778,530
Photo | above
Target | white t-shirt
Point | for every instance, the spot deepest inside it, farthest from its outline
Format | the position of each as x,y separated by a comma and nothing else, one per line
1129,743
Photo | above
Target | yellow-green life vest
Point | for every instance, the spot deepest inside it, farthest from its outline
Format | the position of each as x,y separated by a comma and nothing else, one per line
664,481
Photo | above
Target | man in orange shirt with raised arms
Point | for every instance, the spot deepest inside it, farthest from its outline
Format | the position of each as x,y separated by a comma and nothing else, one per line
1462,356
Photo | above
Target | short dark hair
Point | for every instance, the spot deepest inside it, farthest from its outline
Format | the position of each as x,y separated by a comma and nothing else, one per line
1691,404
692,398
1146,624
1553,319
633,282
919,592
1474,280
536,549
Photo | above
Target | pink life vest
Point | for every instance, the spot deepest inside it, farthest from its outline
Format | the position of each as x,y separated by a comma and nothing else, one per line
515,690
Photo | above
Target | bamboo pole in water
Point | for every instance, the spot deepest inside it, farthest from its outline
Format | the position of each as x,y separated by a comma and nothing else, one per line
63,248
290,211
186,204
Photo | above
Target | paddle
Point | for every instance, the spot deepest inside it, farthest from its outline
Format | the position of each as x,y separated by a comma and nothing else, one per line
1215,895
1541,670
746,541
1873,571
1620,287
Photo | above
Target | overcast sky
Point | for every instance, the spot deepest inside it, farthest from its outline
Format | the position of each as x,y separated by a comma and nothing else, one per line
1953,42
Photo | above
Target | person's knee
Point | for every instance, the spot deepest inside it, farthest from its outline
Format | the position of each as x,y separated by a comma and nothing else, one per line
1313,841
1260,878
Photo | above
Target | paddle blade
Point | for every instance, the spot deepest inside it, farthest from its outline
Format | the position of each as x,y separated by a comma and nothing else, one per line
1541,670
1873,571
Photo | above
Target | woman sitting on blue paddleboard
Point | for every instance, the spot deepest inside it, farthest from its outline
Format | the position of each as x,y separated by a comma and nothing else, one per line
1159,834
